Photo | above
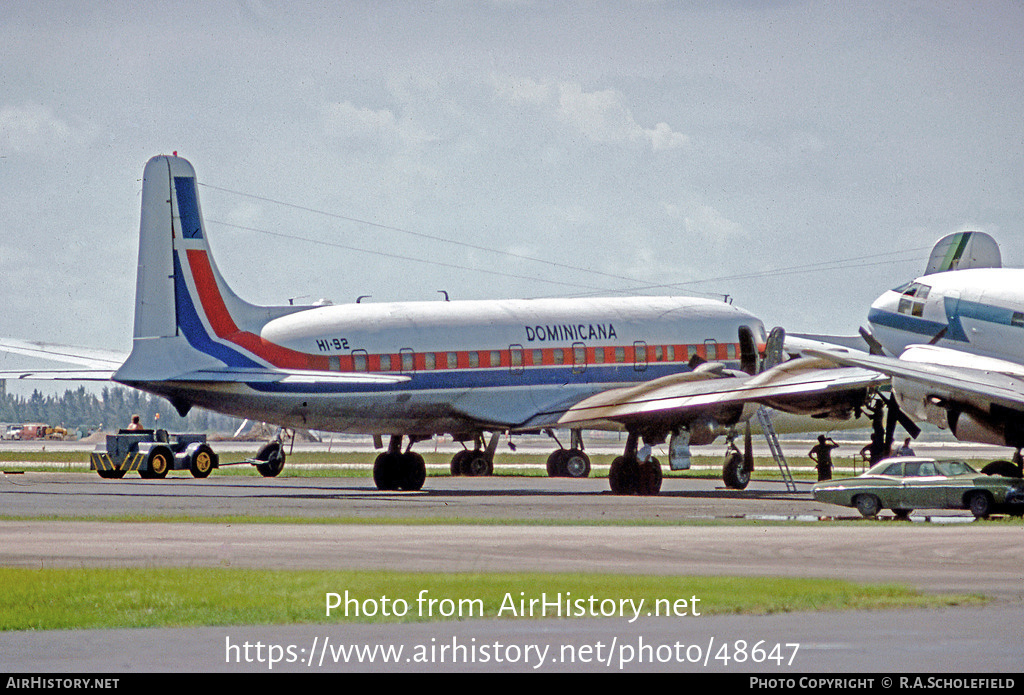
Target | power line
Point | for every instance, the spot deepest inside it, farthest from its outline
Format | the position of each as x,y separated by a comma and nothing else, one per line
640,285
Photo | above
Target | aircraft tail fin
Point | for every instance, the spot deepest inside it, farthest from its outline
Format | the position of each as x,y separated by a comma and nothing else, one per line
964,250
187,318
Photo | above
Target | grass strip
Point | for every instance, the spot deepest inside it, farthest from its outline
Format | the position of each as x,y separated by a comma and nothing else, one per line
49,599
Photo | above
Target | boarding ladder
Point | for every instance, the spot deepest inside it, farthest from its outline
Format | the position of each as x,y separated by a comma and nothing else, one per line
765,418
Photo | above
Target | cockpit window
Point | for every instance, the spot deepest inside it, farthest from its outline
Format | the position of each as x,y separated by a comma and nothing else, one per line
914,296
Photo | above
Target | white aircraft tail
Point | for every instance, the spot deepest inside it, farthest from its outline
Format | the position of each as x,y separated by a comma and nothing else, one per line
964,250
187,318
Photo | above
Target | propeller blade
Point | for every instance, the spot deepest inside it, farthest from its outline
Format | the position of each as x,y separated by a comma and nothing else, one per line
874,347
939,336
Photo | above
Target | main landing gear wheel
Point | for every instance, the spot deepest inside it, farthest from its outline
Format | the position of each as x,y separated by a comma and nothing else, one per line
628,476
568,463
272,455
1003,468
471,462
399,471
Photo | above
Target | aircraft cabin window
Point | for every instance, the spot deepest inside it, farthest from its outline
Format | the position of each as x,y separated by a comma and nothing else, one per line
620,354
408,361
579,358
538,356
429,361
495,358
474,360
453,360
359,360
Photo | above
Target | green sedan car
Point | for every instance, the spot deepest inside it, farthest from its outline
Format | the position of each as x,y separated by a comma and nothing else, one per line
908,483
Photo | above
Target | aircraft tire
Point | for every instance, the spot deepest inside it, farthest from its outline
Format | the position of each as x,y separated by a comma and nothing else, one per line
414,472
272,454
456,464
623,476
386,471
734,475
556,463
649,478
575,464
1006,469
476,464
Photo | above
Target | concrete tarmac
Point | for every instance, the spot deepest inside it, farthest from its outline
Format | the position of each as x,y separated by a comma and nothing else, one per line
944,551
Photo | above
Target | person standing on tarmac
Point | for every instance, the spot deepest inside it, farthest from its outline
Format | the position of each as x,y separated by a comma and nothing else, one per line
822,456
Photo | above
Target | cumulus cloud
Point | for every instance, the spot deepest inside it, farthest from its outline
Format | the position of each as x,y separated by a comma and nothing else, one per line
604,117
601,115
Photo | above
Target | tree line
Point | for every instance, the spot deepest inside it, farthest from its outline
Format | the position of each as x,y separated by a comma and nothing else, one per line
81,411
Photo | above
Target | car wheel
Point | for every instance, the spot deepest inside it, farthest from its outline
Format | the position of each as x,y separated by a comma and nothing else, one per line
867,505
980,504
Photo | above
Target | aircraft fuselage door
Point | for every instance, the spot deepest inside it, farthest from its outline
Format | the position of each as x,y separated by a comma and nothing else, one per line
748,350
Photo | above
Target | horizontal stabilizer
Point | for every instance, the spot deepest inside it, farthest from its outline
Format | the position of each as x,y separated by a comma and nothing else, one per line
87,357
59,374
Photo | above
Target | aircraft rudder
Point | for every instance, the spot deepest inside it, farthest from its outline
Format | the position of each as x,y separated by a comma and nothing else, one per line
963,250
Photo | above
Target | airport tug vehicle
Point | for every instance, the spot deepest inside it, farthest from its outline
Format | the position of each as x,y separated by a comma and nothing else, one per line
152,453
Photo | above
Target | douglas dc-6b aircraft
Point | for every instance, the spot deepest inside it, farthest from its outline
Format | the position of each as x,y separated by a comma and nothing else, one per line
658,368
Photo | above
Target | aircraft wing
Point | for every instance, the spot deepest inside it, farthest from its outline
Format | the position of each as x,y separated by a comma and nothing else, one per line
100,365
980,381
807,385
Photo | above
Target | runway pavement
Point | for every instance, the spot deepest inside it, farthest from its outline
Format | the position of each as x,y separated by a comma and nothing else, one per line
694,536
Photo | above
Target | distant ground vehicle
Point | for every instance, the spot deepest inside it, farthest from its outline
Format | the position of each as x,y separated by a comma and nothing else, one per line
904,484
33,430
152,453
12,433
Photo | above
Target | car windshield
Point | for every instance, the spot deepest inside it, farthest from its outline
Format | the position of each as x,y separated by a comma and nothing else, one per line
953,468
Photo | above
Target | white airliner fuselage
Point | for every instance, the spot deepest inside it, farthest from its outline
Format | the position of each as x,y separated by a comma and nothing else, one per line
411,369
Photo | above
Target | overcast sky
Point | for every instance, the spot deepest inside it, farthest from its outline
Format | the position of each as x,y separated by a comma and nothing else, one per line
720,147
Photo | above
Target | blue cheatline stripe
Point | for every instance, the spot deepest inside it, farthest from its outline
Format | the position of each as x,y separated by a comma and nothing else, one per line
902,322
188,207
955,311
193,329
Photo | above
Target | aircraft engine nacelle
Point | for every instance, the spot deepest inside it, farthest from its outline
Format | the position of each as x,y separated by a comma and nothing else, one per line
704,432
971,427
